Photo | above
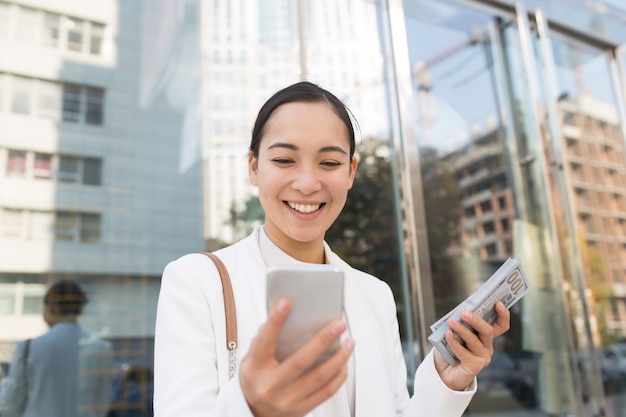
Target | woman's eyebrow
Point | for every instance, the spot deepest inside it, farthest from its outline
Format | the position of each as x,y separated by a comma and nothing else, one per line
333,149
283,145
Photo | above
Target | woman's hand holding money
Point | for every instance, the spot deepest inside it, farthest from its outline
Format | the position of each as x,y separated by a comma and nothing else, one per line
478,349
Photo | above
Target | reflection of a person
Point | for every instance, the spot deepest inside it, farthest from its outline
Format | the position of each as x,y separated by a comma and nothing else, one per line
64,372
132,393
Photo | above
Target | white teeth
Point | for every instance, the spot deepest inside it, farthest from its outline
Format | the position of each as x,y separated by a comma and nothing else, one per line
304,208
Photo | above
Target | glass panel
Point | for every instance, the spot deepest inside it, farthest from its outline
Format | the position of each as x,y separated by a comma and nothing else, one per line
4,19
49,99
69,169
75,29
97,37
92,171
90,227
66,226
480,207
7,299
95,106
12,222
51,29
41,225
583,116
43,166
71,103
27,24
21,98
32,305
16,163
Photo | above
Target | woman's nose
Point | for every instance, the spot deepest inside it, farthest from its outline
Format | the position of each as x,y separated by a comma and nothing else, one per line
307,180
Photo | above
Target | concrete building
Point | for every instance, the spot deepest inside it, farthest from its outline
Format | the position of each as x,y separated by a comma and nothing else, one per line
91,184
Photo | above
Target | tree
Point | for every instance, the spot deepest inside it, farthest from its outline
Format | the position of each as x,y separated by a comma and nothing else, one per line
365,234
442,201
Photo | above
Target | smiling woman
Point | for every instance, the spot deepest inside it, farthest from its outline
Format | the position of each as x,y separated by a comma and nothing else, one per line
302,161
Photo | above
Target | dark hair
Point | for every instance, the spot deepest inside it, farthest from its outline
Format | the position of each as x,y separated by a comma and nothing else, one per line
303,91
67,296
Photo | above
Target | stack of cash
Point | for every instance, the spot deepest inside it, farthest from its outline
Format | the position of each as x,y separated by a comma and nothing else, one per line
508,284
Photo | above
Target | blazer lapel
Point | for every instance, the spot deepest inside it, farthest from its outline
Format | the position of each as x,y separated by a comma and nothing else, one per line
370,399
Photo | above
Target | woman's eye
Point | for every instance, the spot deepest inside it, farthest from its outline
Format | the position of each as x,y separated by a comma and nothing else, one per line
331,164
281,161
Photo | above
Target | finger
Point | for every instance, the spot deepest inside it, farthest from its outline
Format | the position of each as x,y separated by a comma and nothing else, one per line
503,321
474,356
266,340
322,381
479,335
302,359
327,389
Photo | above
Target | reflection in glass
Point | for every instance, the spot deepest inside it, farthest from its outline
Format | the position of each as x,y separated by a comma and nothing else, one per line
590,147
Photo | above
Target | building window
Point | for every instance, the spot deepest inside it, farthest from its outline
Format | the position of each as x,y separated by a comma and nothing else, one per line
16,164
89,227
26,24
71,103
92,171
68,169
11,222
95,106
49,99
51,29
75,29
75,227
41,225
43,166
65,226
7,302
4,20
21,95
97,37
65,168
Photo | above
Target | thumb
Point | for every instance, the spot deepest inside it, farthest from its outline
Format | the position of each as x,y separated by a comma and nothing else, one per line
266,340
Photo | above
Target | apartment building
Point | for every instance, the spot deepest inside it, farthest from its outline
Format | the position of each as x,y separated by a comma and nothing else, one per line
96,182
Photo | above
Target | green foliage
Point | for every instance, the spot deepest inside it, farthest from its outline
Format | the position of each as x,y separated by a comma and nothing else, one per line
365,234
246,220
442,198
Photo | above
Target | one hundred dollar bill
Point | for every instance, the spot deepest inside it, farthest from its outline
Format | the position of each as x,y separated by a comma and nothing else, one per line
508,284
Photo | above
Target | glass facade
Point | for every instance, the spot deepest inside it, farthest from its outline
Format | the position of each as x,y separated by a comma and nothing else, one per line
487,130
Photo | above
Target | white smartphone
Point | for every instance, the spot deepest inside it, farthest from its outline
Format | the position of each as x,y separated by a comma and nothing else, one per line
316,294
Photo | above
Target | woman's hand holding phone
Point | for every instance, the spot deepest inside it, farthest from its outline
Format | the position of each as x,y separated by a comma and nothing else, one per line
292,388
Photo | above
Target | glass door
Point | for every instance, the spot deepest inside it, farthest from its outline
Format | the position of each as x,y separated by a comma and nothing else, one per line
582,120
521,155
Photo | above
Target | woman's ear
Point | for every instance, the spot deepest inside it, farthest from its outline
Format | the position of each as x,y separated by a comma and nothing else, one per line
353,165
253,169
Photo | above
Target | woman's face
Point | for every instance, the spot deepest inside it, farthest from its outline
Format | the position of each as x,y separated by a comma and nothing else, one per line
303,172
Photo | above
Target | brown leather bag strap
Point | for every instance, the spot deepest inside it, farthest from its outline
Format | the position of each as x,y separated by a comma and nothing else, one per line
231,313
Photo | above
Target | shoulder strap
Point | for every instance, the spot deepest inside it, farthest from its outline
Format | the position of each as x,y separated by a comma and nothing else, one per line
231,313
26,352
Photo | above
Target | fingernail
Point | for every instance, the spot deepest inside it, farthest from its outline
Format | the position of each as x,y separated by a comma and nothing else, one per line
281,307
466,315
337,328
348,343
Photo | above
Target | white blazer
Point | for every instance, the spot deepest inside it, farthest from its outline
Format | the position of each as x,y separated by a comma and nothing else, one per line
191,359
